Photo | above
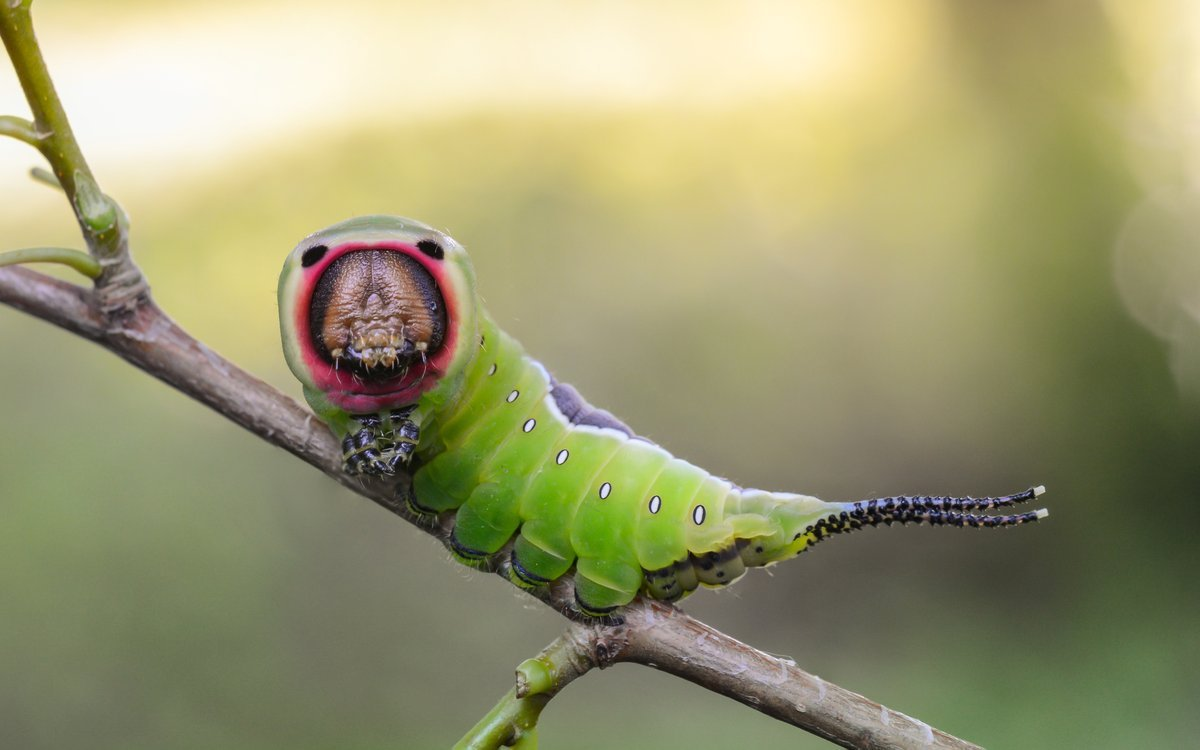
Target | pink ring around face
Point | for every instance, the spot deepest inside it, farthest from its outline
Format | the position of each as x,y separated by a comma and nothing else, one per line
340,386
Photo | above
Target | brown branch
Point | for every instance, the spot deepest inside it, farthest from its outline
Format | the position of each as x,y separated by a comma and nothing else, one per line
654,634
665,638
149,340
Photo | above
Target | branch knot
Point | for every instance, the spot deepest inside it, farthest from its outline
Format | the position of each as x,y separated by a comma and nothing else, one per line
121,289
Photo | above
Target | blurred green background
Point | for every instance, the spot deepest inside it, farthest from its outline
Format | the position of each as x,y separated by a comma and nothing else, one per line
844,248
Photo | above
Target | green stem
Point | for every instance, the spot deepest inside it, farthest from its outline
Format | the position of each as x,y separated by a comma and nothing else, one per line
120,287
81,262
49,118
512,722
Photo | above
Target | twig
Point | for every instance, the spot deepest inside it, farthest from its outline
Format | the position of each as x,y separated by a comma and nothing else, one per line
81,262
120,286
513,720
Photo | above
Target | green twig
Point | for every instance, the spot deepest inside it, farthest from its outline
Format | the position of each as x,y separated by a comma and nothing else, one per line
512,722
120,286
81,262
58,142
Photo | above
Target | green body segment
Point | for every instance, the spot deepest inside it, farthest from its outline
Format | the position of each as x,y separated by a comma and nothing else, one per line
509,462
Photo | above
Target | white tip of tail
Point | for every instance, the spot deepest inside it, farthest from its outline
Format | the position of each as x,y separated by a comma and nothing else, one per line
1039,490
1041,513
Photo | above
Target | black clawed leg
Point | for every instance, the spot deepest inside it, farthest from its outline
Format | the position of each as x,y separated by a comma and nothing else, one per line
402,455
405,434
362,451
381,446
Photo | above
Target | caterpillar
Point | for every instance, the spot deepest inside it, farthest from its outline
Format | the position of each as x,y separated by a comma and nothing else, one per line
382,325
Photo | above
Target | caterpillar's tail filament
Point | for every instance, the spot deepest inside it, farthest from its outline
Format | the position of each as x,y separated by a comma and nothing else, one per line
935,511
891,505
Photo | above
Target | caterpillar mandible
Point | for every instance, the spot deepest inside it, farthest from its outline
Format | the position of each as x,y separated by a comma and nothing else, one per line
382,324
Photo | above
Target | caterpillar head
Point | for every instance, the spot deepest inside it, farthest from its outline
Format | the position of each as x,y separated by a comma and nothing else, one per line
376,311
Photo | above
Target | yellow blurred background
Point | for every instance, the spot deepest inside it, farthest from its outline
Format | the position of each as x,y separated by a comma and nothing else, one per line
839,247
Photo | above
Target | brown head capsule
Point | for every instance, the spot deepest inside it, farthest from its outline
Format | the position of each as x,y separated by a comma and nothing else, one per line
378,312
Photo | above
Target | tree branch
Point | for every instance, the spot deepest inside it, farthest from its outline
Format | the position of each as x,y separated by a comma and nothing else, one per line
654,634
149,340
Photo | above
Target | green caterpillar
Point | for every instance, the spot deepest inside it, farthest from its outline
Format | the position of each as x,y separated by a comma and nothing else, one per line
382,324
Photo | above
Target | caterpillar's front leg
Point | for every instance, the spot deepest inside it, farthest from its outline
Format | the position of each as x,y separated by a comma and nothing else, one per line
404,434
377,444
363,449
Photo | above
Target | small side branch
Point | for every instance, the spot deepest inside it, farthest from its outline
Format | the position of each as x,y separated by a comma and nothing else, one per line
81,262
513,720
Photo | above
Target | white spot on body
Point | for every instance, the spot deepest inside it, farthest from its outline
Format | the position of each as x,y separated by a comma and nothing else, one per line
562,456
655,504
513,396
492,369
529,425
698,515
604,490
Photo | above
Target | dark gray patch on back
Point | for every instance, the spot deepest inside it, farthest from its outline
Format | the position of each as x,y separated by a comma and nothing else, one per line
579,411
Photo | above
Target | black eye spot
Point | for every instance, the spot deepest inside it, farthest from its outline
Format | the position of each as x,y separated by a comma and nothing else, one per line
313,255
432,249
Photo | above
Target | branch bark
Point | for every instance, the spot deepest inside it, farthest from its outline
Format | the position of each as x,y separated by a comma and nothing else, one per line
654,634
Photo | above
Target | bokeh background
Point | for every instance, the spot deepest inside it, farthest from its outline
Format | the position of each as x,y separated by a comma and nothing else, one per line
841,247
